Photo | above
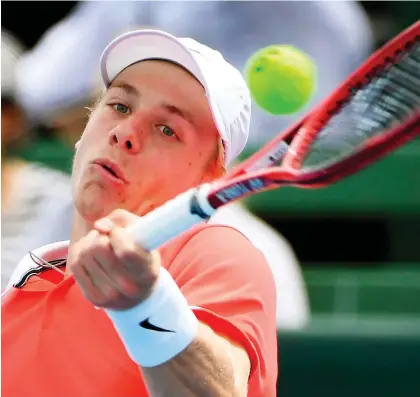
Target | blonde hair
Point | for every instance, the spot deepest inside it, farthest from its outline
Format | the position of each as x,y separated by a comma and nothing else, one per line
94,104
217,164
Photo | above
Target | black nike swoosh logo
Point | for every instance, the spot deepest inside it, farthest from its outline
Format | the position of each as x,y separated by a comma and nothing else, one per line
148,325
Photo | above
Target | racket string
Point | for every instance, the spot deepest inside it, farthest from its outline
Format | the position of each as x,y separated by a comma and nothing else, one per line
384,93
389,95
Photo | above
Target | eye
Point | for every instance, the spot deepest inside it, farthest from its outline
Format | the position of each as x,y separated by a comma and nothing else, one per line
166,131
120,108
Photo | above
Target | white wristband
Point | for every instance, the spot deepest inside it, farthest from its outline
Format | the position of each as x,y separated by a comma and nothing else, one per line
159,328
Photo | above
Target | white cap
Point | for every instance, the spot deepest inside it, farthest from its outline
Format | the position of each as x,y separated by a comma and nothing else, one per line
226,90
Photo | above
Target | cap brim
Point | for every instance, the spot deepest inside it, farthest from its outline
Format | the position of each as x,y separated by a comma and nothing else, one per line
141,45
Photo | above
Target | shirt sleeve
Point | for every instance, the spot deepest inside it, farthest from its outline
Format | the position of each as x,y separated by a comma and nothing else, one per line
230,287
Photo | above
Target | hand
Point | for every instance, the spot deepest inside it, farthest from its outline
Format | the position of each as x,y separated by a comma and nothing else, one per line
111,269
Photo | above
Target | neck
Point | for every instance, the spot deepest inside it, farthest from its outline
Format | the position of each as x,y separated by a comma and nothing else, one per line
80,228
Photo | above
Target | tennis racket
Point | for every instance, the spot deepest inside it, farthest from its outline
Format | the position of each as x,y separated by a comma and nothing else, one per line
375,111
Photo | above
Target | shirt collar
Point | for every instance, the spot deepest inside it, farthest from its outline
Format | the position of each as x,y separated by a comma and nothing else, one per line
48,253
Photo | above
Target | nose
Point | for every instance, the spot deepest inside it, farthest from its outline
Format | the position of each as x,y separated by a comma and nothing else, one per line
125,138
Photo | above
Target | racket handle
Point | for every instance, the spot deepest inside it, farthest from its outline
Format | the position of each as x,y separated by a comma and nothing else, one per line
172,218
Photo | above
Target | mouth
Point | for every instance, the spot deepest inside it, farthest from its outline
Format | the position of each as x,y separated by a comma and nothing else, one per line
112,169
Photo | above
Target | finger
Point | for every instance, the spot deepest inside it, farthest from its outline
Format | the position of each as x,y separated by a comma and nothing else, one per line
101,285
114,269
104,225
137,260
89,289
106,287
104,293
119,218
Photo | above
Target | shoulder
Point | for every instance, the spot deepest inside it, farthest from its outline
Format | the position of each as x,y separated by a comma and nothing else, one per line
218,254
215,240
222,240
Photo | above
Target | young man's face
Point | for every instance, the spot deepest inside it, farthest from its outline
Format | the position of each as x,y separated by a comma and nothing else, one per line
154,128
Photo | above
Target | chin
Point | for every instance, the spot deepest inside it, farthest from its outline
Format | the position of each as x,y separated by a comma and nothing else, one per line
95,203
91,211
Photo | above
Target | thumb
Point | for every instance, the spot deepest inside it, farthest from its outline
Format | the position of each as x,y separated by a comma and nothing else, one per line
118,218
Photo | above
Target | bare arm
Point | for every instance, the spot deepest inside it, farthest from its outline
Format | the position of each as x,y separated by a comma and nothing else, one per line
211,366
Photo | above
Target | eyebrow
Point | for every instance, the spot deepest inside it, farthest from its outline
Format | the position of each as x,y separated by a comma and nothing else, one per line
127,88
178,112
170,108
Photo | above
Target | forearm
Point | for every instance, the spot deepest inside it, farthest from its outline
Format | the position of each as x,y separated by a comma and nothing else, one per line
205,368
178,355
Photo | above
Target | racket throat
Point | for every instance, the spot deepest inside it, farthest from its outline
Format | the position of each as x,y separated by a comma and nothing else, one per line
199,202
196,209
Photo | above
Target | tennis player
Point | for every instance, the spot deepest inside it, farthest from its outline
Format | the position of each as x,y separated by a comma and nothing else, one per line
99,316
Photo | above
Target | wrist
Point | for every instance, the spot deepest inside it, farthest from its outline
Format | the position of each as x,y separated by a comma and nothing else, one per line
160,327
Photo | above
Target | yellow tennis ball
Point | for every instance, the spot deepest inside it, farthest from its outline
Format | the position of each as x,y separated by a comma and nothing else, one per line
281,78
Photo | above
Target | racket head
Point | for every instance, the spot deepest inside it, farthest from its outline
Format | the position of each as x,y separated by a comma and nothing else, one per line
376,148
374,108
269,155
292,147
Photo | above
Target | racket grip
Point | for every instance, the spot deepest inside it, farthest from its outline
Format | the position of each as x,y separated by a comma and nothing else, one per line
173,218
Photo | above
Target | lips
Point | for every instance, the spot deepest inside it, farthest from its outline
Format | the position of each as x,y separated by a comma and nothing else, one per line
112,169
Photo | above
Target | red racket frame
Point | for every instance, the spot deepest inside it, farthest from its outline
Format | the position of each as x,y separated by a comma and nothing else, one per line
240,182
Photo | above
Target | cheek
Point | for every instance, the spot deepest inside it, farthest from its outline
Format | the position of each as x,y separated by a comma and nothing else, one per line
96,128
179,174
77,168
92,137
83,151
80,153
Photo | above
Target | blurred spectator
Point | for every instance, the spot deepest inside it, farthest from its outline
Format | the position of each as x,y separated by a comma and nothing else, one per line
35,199
293,310
336,35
